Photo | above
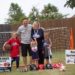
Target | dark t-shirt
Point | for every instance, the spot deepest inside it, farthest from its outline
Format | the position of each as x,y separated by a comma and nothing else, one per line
39,35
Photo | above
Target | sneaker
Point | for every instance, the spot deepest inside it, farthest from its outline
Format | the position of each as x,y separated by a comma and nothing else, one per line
25,69
17,69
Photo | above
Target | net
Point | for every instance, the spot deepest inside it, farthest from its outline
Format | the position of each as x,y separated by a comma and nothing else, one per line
4,36
60,37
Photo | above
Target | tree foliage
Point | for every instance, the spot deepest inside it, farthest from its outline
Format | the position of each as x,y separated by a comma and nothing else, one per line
34,14
15,14
70,3
50,12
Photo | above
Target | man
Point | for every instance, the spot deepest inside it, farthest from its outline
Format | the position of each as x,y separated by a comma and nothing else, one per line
25,35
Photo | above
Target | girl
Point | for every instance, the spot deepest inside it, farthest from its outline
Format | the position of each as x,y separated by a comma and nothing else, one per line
14,51
47,48
34,49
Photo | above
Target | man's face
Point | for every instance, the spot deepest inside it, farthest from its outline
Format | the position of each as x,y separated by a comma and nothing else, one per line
25,22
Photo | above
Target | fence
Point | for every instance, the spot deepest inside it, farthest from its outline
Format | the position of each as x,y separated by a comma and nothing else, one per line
59,35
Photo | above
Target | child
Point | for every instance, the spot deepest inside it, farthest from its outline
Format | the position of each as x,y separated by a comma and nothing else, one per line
34,49
47,48
14,51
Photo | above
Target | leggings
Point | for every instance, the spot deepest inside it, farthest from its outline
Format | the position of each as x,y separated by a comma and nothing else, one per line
17,61
41,55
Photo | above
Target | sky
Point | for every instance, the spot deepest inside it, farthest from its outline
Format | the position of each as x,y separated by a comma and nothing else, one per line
26,6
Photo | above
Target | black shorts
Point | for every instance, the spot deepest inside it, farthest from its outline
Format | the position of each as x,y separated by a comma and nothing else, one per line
24,49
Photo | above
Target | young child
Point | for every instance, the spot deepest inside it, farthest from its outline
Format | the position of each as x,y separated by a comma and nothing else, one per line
47,48
14,51
34,49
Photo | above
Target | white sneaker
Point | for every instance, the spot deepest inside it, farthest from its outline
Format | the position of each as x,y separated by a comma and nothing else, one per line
25,69
17,69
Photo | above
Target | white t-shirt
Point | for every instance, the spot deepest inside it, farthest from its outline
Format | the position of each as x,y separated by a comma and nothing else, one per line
34,49
25,33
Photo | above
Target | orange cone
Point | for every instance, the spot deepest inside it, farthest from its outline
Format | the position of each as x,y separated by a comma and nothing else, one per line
71,39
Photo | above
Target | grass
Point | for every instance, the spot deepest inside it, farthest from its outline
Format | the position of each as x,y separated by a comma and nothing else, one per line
58,56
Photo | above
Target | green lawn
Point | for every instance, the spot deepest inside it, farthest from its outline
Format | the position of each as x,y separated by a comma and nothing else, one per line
58,56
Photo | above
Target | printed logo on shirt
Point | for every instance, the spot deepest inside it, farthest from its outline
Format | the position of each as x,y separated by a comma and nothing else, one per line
14,44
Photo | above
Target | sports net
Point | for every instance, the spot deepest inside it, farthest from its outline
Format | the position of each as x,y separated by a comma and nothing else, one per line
59,37
4,36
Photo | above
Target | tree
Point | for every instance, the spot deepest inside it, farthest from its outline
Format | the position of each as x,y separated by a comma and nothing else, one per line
50,12
34,14
15,14
70,3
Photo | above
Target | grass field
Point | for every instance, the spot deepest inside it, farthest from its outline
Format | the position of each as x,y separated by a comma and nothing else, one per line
58,56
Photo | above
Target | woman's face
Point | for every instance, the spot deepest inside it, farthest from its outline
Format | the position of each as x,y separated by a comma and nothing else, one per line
36,26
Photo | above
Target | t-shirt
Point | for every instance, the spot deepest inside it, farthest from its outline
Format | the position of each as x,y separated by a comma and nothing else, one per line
47,49
15,44
25,33
46,43
34,49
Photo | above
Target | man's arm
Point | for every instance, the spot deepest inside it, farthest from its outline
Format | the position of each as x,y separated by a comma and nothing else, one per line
19,34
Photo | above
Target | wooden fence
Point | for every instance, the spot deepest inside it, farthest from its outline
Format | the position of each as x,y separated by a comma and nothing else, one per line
59,32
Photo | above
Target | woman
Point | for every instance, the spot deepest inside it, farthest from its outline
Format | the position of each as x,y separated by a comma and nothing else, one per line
38,33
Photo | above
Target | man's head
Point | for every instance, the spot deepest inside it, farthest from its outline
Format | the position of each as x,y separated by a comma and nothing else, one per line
25,21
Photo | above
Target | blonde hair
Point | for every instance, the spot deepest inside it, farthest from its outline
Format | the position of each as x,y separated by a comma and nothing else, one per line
34,23
14,33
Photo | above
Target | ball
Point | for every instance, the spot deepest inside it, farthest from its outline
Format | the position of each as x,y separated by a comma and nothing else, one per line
41,66
48,66
62,68
33,67
7,47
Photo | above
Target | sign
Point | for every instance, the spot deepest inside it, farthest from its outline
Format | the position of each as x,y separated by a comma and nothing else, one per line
70,56
5,63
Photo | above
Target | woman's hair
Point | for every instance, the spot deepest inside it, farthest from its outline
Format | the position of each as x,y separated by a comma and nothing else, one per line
36,22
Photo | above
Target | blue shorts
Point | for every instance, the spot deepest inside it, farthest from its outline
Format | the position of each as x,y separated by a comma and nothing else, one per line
35,55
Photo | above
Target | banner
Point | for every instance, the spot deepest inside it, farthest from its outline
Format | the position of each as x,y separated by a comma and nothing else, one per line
5,63
70,56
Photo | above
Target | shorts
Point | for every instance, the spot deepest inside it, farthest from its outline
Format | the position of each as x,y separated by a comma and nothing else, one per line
47,57
24,49
35,55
